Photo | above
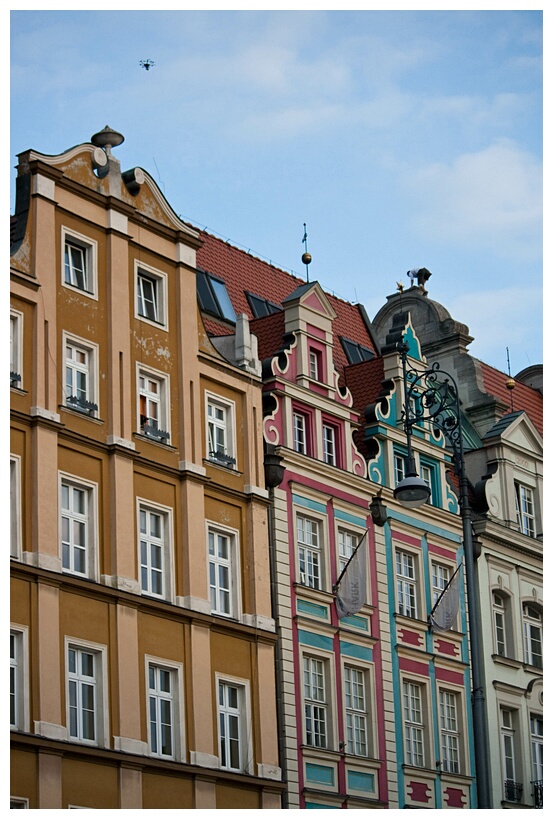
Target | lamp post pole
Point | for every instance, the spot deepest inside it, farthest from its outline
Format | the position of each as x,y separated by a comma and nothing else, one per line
432,395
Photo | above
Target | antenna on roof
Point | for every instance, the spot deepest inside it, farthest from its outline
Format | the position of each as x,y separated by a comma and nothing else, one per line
306,258
510,383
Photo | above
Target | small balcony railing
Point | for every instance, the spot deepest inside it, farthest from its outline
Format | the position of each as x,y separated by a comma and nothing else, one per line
222,458
81,404
537,791
15,379
513,791
149,428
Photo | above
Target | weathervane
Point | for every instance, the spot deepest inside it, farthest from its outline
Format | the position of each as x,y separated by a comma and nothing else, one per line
306,258
147,64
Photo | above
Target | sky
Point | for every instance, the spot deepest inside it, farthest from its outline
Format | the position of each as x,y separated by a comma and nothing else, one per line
402,139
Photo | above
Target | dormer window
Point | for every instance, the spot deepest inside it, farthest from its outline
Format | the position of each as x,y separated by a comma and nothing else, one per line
524,502
356,352
315,365
213,296
261,307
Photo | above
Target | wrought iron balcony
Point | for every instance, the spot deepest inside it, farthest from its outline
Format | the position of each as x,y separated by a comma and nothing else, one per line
222,458
513,791
149,428
81,404
537,791
15,379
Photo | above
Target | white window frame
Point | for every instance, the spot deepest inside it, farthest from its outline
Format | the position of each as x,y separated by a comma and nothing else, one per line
509,761
216,588
165,543
427,472
316,697
90,251
357,722
450,731
157,278
310,550
19,679
299,432
19,802
536,741
16,348
413,710
90,369
400,469
533,633
329,444
176,697
243,715
407,584
441,575
315,364
525,509
216,426
162,400
101,709
15,507
348,540
90,520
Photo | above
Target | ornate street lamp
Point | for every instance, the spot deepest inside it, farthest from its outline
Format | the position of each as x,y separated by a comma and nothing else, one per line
432,395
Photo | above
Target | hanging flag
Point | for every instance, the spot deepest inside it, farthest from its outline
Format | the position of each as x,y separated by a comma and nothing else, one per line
443,615
351,586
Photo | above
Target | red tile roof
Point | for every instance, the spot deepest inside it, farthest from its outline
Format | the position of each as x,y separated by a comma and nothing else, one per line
524,398
269,331
365,382
243,273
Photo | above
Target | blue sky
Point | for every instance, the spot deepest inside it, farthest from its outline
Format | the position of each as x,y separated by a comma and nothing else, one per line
402,138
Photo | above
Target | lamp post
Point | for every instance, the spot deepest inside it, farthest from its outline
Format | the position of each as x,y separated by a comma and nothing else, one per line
432,395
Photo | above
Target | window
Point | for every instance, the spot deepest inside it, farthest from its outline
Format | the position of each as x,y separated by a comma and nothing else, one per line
536,735
440,578
223,572
356,352
77,512
427,474
155,550
235,749
153,405
315,365
15,506
347,544
16,335
513,789
80,376
399,468
413,724
79,262
220,431
300,433
449,732
262,307
329,444
524,502
406,581
532,624
213,296
151,295
309,551
19,694
356,711
315,702
161,711
502,620
18,803
87,713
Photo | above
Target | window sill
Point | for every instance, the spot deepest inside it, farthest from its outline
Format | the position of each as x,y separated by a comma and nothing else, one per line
80,413
155,441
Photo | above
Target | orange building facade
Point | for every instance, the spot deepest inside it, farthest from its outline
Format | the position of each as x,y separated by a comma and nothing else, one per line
142,638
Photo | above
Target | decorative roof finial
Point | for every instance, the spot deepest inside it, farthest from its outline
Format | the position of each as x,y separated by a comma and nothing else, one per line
510,383
306,258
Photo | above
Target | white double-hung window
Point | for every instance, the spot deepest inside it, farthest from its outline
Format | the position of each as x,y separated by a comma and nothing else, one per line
16,346
222,552
532,625
81,387
153,404
449,732
356,711
78,526
233,708
155,551
86,694
413,723
309,551
406,583
315,702
19,679
220,430
524,503
79,255
151,295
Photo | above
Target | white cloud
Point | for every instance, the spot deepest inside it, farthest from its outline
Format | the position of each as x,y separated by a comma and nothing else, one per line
490,198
